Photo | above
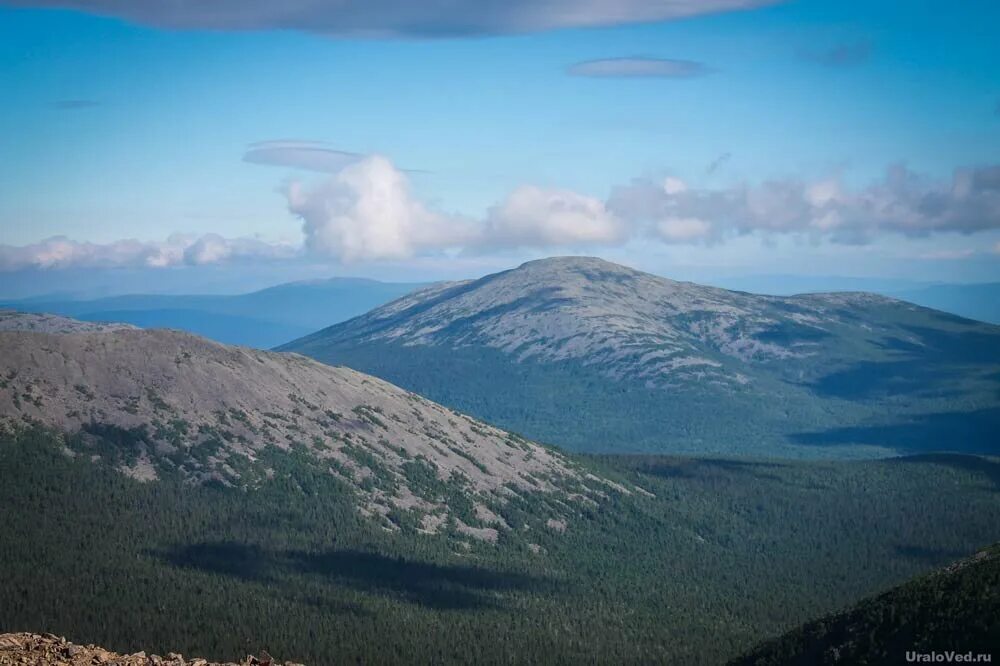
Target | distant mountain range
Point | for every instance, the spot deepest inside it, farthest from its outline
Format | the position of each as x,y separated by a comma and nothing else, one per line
979,301
259,319
595,356
975,301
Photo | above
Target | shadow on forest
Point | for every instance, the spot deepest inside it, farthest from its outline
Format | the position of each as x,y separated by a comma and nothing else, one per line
697,469
437,586
966,432
940,359
868,380
990,469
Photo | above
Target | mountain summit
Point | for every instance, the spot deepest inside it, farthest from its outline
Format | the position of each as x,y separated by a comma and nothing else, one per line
623,322
686,355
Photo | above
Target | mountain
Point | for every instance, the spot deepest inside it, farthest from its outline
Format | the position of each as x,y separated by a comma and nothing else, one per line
165,492
166,403
975,301
979,301
953,611
260,319
595,356
790,285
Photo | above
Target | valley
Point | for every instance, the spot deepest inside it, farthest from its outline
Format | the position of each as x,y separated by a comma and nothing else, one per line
724,554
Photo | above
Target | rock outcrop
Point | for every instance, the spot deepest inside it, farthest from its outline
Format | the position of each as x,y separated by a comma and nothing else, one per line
12,320
51,650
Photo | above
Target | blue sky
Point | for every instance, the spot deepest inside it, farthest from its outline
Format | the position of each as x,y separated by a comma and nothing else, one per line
492,150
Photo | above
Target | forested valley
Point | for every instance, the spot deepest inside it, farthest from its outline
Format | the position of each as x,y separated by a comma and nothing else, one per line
714,556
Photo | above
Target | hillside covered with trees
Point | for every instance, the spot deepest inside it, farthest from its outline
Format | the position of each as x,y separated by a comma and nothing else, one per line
714,555
953,612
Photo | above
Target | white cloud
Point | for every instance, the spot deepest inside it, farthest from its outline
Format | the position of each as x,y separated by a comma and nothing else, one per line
683,229
902,202
308,155
178,249
639,67
535,217
673,185
821,193
366,212
386,18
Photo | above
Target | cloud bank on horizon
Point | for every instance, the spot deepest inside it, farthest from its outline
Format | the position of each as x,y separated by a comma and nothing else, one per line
366,211
389,18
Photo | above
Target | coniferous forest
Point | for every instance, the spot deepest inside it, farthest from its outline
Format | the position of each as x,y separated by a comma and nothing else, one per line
719,554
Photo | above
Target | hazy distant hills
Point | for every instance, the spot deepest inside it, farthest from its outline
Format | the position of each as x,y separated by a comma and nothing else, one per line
980,301
975,301
953,610
259,319
595,356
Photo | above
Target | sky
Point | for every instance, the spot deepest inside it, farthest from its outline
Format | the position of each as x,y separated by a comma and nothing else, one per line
261,140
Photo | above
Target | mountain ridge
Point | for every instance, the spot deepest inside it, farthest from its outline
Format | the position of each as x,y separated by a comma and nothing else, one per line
173,403
551,326
650,320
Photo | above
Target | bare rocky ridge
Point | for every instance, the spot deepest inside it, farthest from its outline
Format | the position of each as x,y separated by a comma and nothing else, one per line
12,320
51,650
216,413
627,323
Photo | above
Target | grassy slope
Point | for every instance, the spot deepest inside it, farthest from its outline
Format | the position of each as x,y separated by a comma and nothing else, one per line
726,553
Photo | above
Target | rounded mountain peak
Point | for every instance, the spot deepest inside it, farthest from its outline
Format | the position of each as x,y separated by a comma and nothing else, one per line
575,264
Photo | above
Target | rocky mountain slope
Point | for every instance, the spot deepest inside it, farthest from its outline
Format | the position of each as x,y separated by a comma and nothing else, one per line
627,324
685,351
953,611
51,650
158,402
12,320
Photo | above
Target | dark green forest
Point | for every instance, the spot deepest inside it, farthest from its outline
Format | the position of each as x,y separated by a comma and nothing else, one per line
956,609
724,554
889,404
